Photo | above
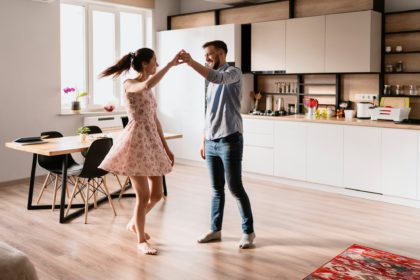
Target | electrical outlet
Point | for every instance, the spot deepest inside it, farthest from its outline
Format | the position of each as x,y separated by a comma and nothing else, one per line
368,97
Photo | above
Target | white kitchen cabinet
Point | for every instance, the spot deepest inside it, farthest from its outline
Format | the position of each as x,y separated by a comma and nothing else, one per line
305,45
362,158
290,150
181,93
324,154
268,46
399,162
258,154
353,42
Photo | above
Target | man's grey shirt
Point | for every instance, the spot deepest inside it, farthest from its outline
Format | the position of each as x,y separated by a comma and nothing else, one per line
224,93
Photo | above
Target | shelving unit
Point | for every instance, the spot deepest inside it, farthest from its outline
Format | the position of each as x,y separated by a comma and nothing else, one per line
324,87
402,29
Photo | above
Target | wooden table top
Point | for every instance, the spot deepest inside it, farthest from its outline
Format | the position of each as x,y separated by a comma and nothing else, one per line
68,144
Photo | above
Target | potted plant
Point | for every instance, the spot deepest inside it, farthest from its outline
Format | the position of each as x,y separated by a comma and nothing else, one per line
83,131
75,104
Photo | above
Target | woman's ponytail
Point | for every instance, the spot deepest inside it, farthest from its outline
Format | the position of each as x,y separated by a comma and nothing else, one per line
123,65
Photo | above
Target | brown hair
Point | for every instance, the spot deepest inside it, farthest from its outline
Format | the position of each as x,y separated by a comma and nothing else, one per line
134,60
217,44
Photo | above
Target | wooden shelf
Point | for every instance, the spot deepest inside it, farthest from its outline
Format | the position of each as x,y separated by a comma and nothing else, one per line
400,73
414,96
401,32
410,52
301,94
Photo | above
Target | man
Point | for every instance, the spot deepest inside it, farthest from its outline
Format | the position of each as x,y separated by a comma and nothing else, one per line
222,144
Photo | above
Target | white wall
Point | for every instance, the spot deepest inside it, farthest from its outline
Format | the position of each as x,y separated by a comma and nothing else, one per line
163,9
29,79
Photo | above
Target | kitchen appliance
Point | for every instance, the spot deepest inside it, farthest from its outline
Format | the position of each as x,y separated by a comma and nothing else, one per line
385,113
363,110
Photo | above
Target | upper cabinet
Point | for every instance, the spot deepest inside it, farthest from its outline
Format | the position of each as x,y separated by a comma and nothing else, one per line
268,46
305,45
353,42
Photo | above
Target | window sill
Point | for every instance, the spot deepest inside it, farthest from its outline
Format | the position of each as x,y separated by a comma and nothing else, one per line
92,113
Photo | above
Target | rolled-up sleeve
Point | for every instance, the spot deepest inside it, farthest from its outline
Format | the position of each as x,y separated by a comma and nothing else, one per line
230,76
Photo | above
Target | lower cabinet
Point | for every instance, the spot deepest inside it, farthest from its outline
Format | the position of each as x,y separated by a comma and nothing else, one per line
399,163
290,150
324,154
258,154
362,158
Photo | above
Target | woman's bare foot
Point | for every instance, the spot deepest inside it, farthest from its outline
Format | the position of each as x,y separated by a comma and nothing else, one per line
145,248
131,227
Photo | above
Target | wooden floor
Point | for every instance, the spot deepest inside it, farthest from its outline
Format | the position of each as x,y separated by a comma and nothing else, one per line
297,231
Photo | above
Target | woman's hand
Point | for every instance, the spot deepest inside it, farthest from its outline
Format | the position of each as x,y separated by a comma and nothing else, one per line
176,60
171,156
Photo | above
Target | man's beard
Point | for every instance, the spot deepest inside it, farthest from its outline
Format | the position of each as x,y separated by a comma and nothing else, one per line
216,64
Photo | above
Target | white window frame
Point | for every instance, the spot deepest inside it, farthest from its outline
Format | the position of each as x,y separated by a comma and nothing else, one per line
116,9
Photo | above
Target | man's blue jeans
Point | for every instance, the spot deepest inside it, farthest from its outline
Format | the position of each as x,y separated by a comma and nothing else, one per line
224,161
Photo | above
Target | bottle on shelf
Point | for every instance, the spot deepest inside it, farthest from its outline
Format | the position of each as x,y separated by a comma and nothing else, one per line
413,90
399,90
399,66
387,89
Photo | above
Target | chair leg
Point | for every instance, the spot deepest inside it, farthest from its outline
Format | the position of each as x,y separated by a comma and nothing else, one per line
80,190
109,197
44,186
87,201
94,188
118,179
123,187
72,196
55,191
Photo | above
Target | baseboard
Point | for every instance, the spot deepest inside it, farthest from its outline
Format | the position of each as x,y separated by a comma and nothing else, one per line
20,181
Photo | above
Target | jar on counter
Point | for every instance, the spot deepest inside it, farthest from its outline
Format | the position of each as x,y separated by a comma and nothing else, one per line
389,68
413,90
399,90
399,66
387,89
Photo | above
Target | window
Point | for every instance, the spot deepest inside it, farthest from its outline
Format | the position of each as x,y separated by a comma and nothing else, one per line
94,37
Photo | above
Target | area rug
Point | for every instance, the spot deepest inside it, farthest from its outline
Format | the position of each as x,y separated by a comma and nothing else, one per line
362,263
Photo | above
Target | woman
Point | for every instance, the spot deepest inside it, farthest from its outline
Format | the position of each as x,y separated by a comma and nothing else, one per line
141,152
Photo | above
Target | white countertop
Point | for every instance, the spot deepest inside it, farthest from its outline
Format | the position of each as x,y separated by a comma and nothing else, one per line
334,120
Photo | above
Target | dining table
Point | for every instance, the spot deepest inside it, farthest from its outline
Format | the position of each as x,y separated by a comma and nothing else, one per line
66,146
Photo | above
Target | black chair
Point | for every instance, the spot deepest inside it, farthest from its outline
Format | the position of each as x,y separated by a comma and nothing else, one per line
124,120
93,129
95,177
54,165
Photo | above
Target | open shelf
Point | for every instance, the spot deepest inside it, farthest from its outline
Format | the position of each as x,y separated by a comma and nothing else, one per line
399,73
407,52
300,94
393,95
405,31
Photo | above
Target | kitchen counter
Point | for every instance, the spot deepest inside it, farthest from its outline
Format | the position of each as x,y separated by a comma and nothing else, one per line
341,121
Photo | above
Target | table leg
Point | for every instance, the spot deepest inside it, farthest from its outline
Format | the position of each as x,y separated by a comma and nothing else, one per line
63,188
32,182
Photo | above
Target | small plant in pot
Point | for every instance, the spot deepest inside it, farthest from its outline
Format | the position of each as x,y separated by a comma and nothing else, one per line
75,104
83,131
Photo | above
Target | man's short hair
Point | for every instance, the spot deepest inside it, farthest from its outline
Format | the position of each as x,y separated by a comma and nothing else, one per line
217,44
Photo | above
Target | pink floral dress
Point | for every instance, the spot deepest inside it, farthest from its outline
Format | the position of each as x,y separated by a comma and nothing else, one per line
139,150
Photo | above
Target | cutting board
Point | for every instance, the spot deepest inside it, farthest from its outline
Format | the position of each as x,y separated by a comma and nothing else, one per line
395,102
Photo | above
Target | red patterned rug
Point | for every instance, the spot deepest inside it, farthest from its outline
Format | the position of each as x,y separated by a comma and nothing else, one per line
362,263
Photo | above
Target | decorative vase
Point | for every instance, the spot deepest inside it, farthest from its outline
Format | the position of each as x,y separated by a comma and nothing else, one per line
75,106
82,137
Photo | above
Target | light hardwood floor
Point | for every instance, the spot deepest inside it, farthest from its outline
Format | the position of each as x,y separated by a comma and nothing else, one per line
297,231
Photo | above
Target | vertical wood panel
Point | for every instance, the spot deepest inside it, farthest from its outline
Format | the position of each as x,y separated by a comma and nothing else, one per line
307,8
402,22
257,13
193,20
